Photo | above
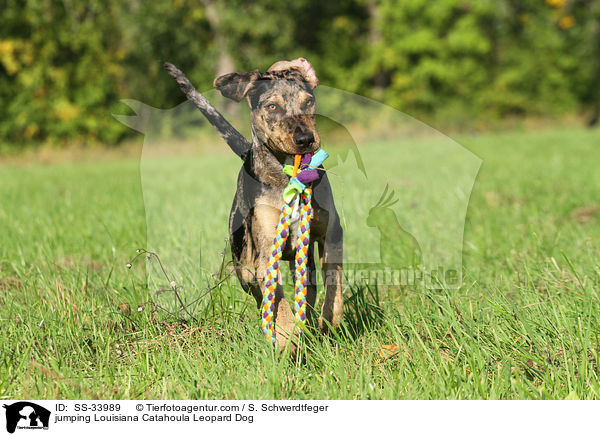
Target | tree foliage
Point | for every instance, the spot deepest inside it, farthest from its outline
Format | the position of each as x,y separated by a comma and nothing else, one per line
64,65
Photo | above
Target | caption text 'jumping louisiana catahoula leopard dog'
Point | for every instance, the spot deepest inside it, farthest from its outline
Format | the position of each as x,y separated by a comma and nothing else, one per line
283,119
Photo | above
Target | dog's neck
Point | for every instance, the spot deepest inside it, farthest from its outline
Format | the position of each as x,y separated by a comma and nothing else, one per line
267,165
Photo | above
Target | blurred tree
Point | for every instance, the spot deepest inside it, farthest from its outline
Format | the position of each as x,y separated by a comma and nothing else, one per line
579,21
532,63
431,53
61,70
65,64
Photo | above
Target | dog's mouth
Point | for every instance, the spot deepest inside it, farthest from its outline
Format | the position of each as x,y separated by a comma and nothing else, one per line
305,150
291,148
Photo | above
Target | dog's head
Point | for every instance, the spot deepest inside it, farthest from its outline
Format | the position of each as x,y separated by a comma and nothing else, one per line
282,103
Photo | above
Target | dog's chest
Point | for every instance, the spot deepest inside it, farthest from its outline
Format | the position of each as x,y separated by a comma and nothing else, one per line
273,199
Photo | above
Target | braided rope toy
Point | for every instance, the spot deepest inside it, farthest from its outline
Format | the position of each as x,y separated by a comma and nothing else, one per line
302,174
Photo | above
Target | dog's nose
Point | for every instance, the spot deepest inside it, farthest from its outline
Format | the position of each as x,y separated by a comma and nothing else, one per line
303,139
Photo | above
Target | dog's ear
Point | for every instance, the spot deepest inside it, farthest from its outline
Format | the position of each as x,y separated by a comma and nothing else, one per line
301,65
236,85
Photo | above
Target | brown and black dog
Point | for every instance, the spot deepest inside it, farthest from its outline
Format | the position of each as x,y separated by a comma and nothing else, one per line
283,125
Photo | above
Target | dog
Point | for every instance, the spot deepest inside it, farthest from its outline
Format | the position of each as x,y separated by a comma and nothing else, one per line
283,121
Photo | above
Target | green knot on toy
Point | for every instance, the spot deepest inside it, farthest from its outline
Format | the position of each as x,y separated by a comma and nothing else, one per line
302,174
293,188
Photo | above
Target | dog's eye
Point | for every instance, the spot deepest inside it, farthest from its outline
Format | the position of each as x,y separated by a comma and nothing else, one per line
272,107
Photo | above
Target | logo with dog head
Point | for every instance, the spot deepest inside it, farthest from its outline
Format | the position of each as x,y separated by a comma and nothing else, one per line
26,415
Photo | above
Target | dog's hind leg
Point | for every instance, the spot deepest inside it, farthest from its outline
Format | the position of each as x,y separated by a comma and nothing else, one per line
331,253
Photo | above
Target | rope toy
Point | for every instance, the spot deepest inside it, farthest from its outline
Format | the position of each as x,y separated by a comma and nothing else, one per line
302,174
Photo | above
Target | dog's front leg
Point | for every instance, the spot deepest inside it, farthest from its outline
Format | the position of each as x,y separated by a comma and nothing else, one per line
265,221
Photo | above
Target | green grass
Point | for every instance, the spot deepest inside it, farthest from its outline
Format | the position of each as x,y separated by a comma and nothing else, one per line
76,323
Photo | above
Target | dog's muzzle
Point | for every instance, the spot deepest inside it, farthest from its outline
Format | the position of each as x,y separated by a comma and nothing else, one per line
303,139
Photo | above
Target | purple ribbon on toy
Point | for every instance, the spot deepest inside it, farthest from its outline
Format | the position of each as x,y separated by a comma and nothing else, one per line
307,175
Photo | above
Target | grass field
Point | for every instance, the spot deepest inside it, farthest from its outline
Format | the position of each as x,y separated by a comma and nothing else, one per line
76,323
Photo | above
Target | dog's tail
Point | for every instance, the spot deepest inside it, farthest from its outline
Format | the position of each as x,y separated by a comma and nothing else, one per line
236,141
